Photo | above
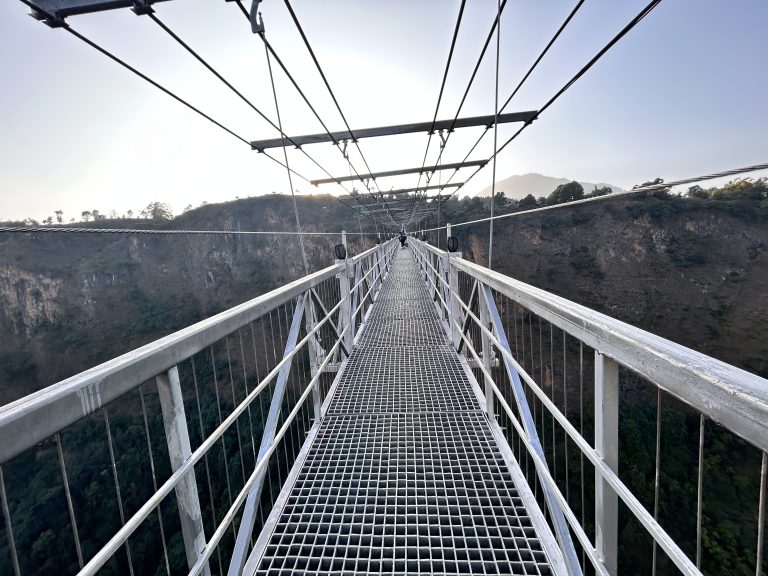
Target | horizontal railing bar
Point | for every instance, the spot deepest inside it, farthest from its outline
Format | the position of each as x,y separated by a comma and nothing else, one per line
35,417
238,502
728,395
656,531
103,555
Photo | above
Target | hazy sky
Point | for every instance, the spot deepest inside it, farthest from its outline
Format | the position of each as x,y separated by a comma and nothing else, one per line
684,94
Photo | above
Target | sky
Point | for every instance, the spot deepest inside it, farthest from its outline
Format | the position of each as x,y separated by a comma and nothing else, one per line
683,94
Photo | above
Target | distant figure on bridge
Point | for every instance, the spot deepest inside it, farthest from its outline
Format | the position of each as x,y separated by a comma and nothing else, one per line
403,238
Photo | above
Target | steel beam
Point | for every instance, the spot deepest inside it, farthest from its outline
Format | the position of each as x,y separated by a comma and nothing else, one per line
562,531
179,450
607,446
423,188
53,12
355,135
373,176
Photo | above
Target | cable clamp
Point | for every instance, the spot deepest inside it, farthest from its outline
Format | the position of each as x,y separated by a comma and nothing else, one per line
257,22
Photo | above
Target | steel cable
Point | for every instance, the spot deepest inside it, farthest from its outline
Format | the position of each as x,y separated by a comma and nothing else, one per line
639,189
623,32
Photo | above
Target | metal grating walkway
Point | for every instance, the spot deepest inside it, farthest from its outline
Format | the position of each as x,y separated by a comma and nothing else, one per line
404,475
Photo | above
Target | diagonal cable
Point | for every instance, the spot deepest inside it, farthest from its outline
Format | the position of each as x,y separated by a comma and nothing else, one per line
200,59
623,32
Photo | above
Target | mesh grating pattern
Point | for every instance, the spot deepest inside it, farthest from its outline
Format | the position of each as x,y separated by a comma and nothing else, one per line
395,379
404,475
423,332
404,494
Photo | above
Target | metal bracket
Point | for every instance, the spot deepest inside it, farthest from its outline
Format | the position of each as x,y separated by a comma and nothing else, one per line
50,19
257,22
441,133
142,7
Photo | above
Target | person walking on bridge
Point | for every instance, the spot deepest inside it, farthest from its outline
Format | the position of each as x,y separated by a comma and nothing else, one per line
403,238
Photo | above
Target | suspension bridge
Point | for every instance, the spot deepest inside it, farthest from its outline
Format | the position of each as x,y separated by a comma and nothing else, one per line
401,411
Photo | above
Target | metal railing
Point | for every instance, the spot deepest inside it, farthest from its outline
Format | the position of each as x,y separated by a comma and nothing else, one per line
199,413
557,376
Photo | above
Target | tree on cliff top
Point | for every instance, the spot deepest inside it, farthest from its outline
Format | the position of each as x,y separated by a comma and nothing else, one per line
157,211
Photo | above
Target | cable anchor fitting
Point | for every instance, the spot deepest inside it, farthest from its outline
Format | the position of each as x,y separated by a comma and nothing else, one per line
441,133
142,7
257,22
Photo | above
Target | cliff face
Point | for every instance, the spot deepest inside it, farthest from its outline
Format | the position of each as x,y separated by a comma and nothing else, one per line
70,301
695,272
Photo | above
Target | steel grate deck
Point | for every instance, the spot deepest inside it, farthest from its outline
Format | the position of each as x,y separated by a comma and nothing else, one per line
404,475
403,379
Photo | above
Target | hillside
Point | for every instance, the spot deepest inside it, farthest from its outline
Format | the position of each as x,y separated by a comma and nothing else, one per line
520,185
70,301
694,270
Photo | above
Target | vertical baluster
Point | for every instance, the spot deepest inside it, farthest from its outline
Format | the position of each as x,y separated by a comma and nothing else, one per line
656,475
117,486
225,459
203,435
247,393
761,515
9,526
700,491
581,453
70,507
154,478
234,405
606,445
565,434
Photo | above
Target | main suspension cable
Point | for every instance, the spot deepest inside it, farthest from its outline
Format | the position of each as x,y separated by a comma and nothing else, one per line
269,121
333,96
500,9
637,190
81,230
182,101
302,94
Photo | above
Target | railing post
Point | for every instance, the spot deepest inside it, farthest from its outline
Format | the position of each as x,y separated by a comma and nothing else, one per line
485,318
455,307
179,450
345,310
607,446
316,354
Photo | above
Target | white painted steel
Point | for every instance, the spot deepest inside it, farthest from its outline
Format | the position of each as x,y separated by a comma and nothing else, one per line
678,557
179,450
32,419
607,448
243,540
728,395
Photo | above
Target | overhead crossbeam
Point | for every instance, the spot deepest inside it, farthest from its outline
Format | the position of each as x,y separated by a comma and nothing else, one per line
429,127
373,176
53,12
423,188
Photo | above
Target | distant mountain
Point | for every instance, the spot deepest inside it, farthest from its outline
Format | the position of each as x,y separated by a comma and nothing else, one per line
520,185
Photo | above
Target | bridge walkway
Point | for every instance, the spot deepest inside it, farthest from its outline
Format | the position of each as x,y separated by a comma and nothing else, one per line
405,474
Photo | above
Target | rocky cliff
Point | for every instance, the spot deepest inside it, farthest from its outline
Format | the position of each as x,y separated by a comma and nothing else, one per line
694,271
70,301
